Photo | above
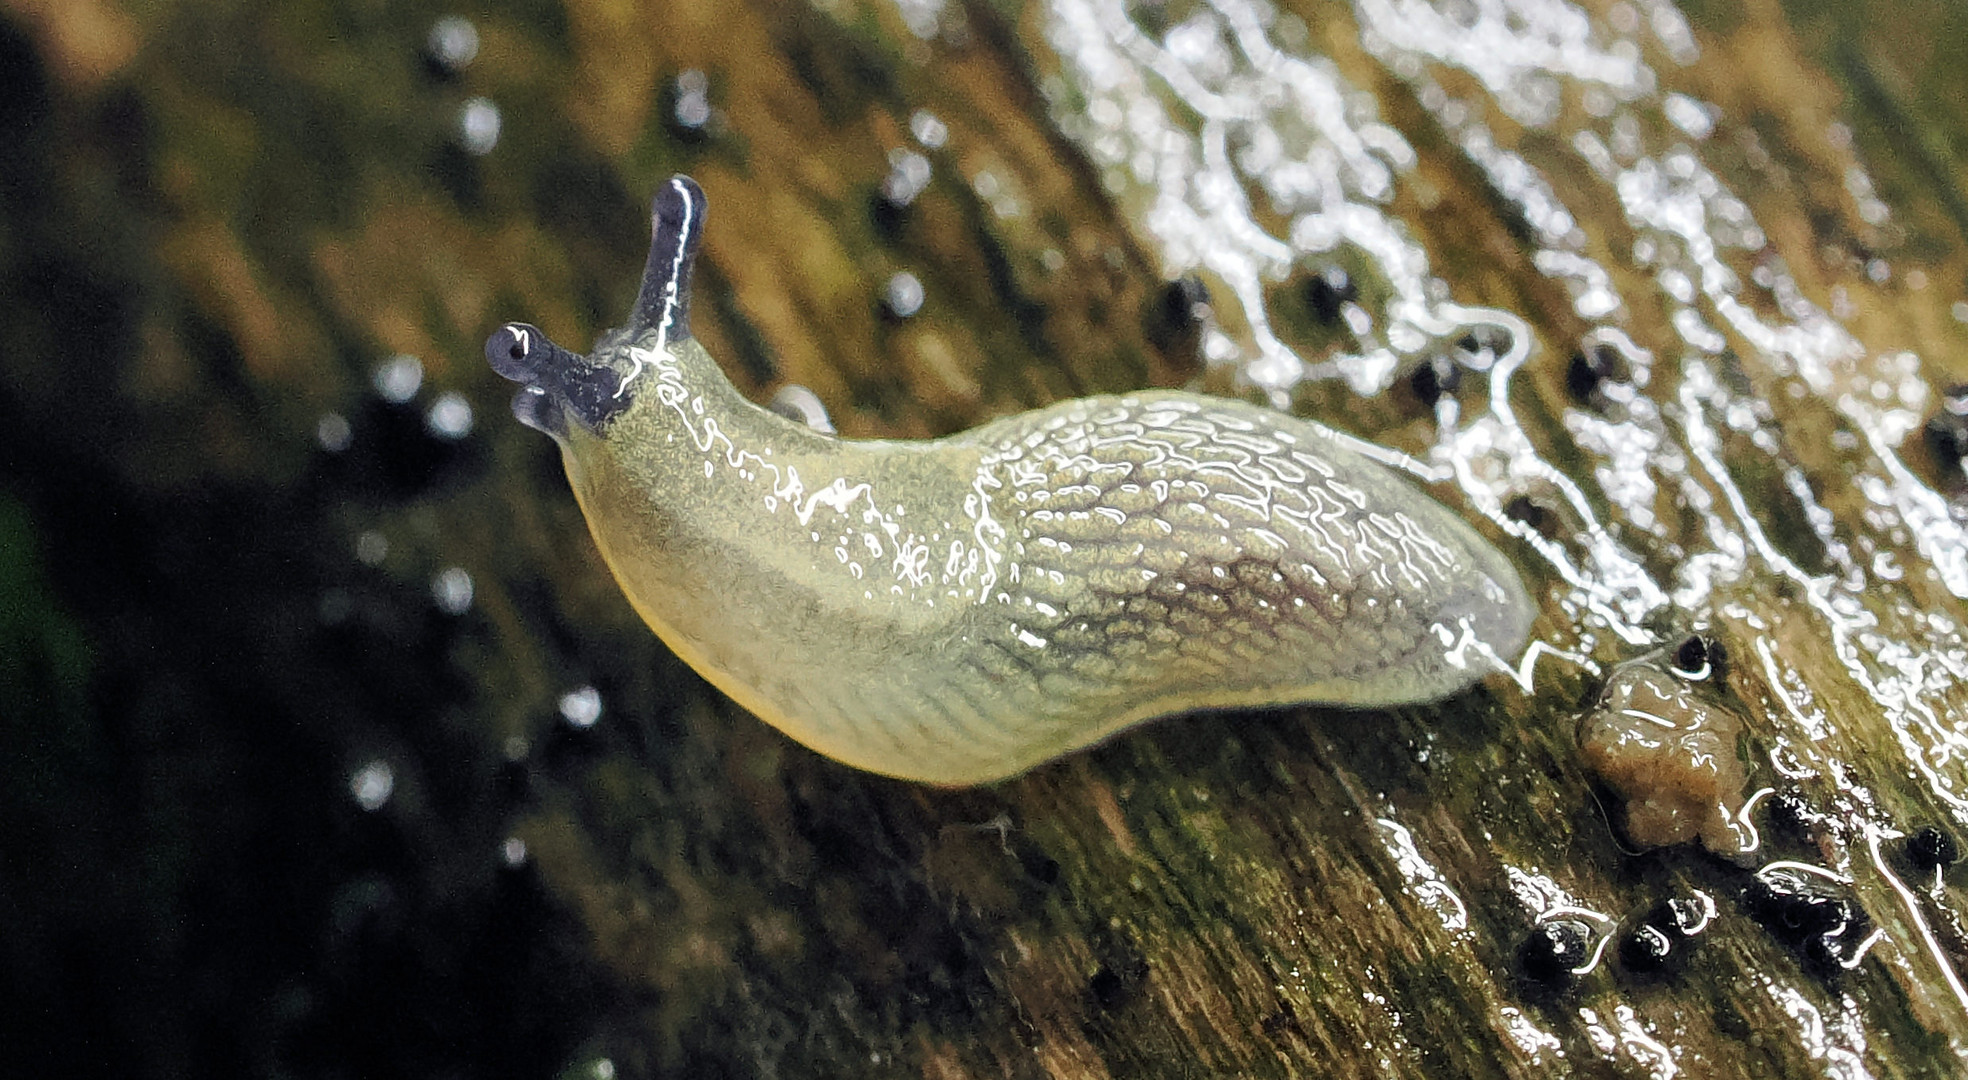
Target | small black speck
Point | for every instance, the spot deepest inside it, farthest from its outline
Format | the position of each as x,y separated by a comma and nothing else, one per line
1947,432
1930,848
1177,314
515,781
1554,950
1485,341
1039,866
1434,377
1646,949
1114,985
1692,655
1285,1019
887,215
1698,657
1592,368
1806,914
1791,819
457,171
1657,941
1185,300
1328,293
1814,916
1105,986
1822,955
1534,513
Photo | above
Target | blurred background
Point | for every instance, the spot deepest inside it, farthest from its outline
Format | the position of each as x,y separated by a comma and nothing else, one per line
297,622
328,748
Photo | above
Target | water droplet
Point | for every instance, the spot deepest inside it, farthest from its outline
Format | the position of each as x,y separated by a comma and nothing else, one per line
692,112
581,708
372,784
478,126
452,590
1691,116
452,44
928,130
450,416
904,295
398,379
908,174
372,547
333,432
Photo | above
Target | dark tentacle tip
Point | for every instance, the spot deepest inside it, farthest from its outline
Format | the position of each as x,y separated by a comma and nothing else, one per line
561,386
514,351
677,209
676,227
540,410
520,352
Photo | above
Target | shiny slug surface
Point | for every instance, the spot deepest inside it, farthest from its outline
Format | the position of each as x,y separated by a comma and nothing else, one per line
959,610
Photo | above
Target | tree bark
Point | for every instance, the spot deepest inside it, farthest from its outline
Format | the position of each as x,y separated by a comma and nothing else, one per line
1300,892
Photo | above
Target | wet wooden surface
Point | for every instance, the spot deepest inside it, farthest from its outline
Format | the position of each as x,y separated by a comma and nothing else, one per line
224,221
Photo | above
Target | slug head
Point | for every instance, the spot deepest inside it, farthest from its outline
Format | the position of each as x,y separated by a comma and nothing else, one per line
559,385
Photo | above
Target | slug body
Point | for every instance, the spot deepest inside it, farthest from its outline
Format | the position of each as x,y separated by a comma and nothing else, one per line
961,609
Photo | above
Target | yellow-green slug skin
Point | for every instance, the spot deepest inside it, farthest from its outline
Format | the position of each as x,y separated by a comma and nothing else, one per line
959,610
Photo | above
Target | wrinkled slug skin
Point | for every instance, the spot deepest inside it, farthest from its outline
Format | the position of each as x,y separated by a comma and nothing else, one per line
961,609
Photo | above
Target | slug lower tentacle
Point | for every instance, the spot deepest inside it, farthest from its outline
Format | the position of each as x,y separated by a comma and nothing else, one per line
961,609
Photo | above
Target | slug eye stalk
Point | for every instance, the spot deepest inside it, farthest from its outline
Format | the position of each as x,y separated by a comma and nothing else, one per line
514,351
559,385
520,352
676,224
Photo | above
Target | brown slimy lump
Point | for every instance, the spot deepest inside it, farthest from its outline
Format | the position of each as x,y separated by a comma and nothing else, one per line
1670,757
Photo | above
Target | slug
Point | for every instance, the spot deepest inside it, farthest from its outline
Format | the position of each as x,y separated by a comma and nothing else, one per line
958,610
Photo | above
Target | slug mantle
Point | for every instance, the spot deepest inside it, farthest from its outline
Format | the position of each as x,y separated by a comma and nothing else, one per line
959,610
